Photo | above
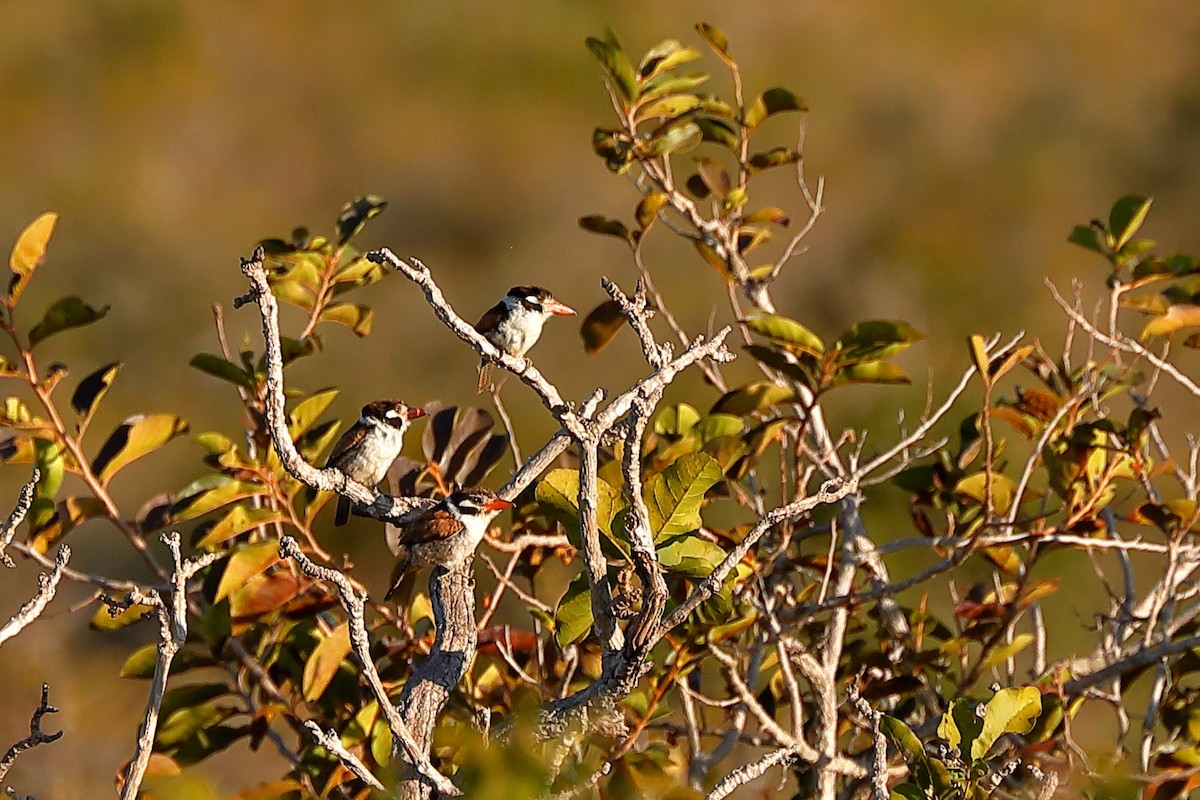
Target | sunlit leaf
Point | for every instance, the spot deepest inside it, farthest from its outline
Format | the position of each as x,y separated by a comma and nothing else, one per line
260,595
1009,711
1126,218
138,436
714,426
356,213
648,208
1177,317
689,555
240,519
29,252
616,63
960,725
675,137
246,561
1003,489
1002,652
787,332
359,272
773,101
676,420
67,514
306,412
600,326
91,390
673,497
665,55
192,504
668,107
184,723
755,396
103,619
65,314
357,318
714,36
558,495
871,372
324,661
877,339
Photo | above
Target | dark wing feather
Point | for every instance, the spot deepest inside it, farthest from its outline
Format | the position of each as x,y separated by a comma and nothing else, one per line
490,319
350,439
438,525
342,515
397,573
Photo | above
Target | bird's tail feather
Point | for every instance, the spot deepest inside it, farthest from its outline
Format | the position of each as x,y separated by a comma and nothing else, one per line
485,376
342,516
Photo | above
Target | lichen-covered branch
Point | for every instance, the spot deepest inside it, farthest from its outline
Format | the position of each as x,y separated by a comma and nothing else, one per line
354,602
32,609
24,501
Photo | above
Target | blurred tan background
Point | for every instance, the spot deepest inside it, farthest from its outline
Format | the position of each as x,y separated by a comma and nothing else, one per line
959,141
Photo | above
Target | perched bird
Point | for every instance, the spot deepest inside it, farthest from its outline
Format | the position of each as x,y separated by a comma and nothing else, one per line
446,534
370,446
514,324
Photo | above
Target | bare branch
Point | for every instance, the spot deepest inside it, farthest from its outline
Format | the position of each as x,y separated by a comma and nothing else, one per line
32,609
24,501
330,741
370,502
354,603
36,735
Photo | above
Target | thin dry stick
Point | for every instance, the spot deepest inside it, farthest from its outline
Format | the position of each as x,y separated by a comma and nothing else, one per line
36,735
330,741
24,501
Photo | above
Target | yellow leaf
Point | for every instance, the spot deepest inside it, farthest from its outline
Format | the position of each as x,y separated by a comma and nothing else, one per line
29,253
324,661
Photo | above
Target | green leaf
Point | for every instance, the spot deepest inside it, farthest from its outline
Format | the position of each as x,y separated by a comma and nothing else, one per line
221,368
91,390
605,226
689,555
139,435
140,663
558,495
715,37
357,318
324,662
928,773
1177,317
773,101
239,520
871,372
668,106
676,137
359,272
66,515
1126,218
600,326
185,723
877,339
673,497
714,426
246,561
302,417
908,791
356,213
573,617
198,503
1003,490
754,396
1003,652
608,51
65,314
676,420
666,83
960,725
1087,236
1009,711
29,253
786,332
103,620
48,456
665,55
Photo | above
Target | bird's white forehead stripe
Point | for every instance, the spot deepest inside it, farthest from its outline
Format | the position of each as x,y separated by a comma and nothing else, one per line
393,414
